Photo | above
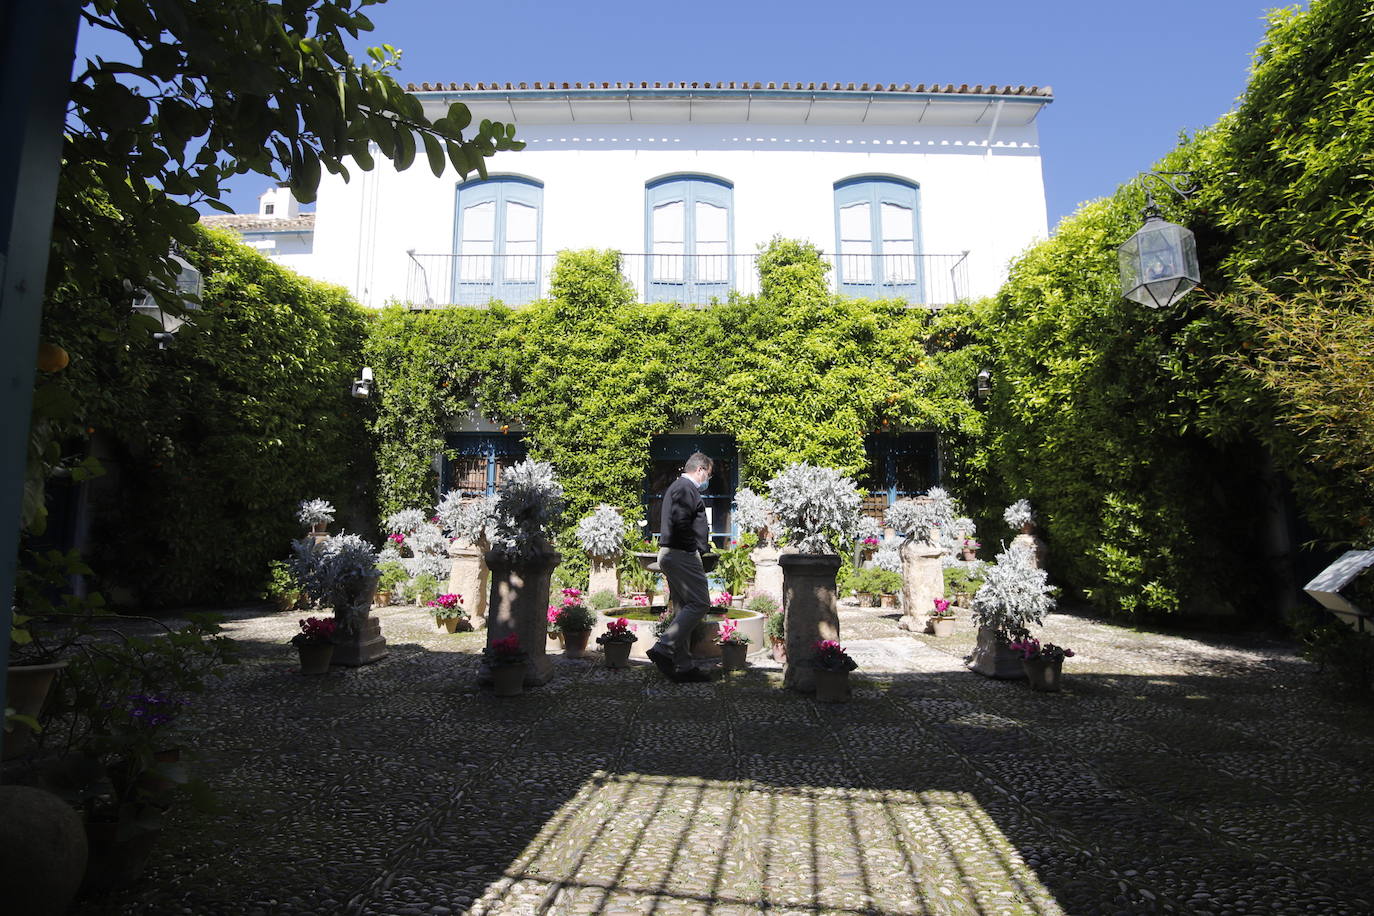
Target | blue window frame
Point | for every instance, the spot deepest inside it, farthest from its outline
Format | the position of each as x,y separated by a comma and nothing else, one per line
667,454
900,466
689,236
473,463
878,238
497,241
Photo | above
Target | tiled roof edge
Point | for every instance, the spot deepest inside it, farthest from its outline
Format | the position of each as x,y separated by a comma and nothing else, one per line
1038,92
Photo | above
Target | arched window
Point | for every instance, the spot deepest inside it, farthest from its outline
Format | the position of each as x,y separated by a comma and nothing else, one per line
688,235
497,241
877,238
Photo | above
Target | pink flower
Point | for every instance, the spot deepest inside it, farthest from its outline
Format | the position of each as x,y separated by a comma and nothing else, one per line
941,605
397,539
553,613
641,600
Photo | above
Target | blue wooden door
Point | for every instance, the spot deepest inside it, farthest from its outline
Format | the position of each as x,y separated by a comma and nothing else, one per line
497,244
877,239
688,238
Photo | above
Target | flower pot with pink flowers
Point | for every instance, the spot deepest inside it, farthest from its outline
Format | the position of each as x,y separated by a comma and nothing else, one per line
1044,663
832,666
507,663
575,621
942,618
449,613
616,643
734,646
315,643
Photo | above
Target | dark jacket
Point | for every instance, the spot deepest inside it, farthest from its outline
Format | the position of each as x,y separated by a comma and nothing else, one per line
684,518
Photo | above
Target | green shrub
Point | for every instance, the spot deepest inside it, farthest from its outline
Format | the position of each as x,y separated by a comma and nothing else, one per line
281,583
603,600
959,580
775,628
423,589
575,618
874,581
391,575
762,604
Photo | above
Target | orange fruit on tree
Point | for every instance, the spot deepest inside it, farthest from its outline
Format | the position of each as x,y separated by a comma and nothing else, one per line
51,357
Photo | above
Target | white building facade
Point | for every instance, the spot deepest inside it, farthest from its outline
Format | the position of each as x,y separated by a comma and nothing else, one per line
924,193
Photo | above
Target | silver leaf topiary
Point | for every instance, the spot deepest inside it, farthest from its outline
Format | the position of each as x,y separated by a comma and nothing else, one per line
888,557
334,573
602,533
1014,594
428,540
916,519
868,527
528,504
312,512
1019,514
404,522
472,519
814,503
753,511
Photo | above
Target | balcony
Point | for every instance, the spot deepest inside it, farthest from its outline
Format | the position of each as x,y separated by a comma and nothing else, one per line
928,280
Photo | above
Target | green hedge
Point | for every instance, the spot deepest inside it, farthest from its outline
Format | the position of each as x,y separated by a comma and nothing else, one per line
1146,438
209,444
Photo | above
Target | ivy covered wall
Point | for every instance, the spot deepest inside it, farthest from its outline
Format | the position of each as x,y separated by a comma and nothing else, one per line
1147,438
209,444
792,374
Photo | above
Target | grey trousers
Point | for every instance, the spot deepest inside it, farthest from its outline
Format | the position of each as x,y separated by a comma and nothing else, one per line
687,583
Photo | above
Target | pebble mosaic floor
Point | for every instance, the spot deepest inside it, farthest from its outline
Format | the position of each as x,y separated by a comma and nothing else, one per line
1174,774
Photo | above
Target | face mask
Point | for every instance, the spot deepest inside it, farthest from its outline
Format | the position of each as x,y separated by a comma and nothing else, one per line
704,485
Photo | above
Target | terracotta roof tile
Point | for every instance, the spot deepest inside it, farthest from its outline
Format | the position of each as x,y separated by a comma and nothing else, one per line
920,88
252,222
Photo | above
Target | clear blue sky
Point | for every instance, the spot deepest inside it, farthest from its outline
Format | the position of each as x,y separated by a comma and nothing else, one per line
1127,77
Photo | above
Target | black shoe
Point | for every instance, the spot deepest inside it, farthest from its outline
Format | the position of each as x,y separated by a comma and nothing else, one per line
692,676
664,662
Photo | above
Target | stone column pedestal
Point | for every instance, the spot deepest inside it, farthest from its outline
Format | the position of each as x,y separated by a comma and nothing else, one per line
923,580
360,640
519,604
469,578
605,576
767,572
808,593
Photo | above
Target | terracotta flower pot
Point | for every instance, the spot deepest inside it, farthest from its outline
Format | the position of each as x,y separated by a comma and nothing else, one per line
617,654
832,686
315,657
382,598
454,624
867,600
968,555
887,600
733,656
575,643
780,651
508,680
943,626
1044,675
26,688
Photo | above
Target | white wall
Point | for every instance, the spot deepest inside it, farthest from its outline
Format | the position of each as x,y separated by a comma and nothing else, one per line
989,201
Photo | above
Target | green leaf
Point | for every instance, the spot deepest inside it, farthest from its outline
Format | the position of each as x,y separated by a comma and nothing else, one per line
435,151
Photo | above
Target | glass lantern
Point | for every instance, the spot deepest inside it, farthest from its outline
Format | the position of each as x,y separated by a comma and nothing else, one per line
1158,263
190,286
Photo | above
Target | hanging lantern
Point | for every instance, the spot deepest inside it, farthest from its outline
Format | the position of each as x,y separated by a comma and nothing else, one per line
1159,263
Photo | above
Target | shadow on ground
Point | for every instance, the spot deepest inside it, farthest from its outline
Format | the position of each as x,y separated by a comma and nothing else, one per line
403,788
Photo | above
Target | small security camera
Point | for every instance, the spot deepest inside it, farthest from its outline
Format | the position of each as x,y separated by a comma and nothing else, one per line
362,387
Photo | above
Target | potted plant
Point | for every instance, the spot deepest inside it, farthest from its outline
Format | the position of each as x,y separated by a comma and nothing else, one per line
777,635
734,646
832,665
736,567
553,635
942,621
615,643
341,572
603,600
962,581
1019,516
575,621
449,613
507,661
1044,664
282,588
391,577
315,643
602,536
1014,595
968,549
315,514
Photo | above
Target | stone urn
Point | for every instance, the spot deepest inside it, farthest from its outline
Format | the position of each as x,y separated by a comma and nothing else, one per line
923,580
808,589
519,604
995,658
1030,540
359,640
469,577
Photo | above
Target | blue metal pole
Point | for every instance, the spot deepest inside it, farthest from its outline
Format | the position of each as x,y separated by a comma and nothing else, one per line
37,43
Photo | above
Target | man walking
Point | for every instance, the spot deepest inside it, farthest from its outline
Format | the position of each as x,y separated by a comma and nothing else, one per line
685,536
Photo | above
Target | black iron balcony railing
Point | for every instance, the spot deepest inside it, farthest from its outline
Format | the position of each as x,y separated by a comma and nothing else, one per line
451,279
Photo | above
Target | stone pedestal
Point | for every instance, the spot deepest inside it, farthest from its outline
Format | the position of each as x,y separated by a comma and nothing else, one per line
923,580
767,572
519,604
469,578
359,640
605,576
808,593
993,659
1029,540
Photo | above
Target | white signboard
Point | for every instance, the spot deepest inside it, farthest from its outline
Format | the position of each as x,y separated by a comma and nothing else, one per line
1326,586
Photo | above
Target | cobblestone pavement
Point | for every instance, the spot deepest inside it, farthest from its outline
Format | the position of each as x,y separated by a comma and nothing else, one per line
1173,774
